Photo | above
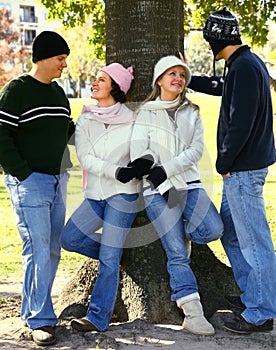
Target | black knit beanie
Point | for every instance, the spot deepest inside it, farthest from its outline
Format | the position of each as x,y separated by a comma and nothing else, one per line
221,29
49,44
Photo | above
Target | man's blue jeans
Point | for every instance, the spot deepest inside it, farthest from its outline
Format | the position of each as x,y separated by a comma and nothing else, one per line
248,244
197,219
39,203
115,215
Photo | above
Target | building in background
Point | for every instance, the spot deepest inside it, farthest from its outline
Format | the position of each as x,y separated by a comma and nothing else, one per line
30,18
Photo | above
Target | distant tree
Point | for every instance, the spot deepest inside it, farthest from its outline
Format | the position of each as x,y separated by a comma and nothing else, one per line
268,54
271,49
253,16
78,12
13,57
199,58
82,62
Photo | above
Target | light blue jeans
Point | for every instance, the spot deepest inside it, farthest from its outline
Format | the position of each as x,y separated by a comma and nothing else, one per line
115,215
39,203
197,219
248,244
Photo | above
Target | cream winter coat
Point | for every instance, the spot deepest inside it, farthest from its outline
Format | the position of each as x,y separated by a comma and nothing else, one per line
189,143
101,151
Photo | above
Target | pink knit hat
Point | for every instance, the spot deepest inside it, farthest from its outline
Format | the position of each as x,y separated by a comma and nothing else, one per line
121,75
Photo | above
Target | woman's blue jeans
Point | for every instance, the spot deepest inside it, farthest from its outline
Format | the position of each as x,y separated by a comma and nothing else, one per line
115,215
248,244
196,219
39,204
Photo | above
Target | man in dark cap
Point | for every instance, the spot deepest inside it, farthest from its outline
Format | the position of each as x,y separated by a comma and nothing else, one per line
35,127
245,149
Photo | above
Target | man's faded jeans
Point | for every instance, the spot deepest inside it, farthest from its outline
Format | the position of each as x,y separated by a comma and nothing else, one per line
39,203
248,244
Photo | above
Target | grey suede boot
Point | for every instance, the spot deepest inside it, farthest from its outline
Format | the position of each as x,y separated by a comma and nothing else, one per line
195,321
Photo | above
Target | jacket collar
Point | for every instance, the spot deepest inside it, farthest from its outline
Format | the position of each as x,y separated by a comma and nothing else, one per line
235,54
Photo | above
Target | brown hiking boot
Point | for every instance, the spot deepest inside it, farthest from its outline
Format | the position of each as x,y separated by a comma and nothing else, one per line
83,325
239,325
44,336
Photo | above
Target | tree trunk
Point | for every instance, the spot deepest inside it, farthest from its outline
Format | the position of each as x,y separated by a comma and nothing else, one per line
138,34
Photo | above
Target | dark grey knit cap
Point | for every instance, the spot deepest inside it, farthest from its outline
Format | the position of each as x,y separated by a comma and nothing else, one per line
222,25
49,44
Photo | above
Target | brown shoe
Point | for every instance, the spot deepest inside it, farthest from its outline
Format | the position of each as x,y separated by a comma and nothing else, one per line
83,325
239,325
44,336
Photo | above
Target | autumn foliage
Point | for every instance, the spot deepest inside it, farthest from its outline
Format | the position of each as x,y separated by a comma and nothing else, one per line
13,57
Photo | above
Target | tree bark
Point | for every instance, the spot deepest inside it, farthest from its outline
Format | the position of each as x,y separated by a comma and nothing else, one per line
138,34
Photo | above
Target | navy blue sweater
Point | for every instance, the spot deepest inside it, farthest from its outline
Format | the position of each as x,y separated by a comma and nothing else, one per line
245,139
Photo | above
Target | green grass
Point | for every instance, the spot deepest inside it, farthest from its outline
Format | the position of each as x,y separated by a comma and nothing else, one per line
10,242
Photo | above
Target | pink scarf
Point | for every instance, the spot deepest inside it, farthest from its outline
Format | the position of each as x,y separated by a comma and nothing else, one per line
115,114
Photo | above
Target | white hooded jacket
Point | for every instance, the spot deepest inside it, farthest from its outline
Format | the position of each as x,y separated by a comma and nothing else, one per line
189,143
101,150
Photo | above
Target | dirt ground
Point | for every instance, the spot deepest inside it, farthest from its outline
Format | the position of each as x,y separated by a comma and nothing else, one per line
131,335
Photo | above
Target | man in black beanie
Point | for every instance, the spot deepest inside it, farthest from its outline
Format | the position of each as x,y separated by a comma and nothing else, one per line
245,149
49,44
35,127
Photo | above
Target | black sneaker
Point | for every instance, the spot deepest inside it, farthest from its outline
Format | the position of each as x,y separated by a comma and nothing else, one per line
239,325
235,301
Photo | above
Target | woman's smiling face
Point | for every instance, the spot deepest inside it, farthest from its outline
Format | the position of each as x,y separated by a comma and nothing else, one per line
101,89
172,83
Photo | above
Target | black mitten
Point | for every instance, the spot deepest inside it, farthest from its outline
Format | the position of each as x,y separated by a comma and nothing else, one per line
125,174
142,165
157,175
171,197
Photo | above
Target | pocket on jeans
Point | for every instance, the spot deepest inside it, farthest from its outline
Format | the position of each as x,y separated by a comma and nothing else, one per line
232,175
257,180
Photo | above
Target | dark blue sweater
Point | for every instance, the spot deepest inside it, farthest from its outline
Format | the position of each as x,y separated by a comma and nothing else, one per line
245,139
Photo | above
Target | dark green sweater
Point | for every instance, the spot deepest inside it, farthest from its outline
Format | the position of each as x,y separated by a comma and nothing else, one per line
35,127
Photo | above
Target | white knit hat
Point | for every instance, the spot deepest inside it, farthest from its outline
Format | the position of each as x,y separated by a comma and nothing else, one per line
167,62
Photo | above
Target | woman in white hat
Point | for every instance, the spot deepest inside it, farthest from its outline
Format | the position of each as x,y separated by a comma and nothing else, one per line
169,127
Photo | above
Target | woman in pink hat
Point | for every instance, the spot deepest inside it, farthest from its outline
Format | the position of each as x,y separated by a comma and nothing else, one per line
103,133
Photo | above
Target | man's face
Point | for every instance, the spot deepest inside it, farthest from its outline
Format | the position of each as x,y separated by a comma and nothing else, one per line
54,65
